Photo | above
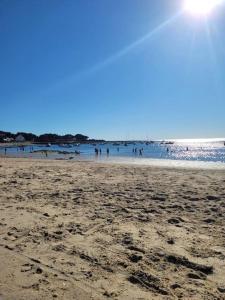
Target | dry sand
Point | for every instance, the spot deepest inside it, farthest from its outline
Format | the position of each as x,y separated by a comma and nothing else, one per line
82,230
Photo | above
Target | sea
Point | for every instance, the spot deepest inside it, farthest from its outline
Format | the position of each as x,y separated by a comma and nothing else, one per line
203,153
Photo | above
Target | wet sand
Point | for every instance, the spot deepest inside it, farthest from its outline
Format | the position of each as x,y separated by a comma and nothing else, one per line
83,230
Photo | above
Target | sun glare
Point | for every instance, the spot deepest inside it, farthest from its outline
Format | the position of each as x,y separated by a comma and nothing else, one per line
200,7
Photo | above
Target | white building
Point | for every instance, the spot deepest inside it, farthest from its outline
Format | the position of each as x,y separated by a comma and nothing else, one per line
8,140
20,138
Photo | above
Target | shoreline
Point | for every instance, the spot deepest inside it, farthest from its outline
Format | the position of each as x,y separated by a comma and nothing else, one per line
88,230
148,162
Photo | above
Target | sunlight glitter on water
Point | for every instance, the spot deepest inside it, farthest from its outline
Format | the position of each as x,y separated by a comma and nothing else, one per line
165,163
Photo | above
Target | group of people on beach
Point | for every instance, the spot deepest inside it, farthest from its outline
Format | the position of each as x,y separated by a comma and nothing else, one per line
20,148
99,151
135,150
140,151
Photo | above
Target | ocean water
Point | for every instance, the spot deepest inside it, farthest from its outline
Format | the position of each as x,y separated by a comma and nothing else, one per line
164,153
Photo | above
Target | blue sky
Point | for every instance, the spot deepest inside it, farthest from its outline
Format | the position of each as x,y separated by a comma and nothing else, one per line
130,69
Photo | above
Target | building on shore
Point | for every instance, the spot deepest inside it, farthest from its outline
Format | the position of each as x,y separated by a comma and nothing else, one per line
20,138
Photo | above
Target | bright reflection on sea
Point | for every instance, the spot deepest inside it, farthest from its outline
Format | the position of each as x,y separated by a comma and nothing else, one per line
165,163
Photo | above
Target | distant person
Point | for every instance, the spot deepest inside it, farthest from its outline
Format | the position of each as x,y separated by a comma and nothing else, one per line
187,149
135,150
5,150
46,153
96,151
167,150
107,151
100,151
140,152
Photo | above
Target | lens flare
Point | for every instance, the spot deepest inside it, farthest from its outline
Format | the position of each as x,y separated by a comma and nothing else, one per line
200,7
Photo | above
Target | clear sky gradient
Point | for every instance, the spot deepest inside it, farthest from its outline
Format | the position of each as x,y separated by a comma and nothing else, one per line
129,69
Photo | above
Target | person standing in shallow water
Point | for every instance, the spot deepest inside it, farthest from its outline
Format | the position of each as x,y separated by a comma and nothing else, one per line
5,150
107,151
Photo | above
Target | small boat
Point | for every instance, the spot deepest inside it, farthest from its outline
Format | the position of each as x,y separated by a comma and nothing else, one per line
169,143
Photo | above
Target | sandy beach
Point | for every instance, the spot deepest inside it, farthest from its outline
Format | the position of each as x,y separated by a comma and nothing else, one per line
85,230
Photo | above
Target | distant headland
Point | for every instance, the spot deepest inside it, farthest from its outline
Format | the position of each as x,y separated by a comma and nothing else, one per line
9,137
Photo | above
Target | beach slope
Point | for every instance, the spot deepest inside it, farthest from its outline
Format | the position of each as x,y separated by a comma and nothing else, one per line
83,230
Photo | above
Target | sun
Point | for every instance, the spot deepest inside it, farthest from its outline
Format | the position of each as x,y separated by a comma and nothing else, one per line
200,7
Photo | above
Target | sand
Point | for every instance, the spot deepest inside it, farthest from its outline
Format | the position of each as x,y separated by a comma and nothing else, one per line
83,230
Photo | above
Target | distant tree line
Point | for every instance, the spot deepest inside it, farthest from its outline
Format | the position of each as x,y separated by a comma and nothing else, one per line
43,138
